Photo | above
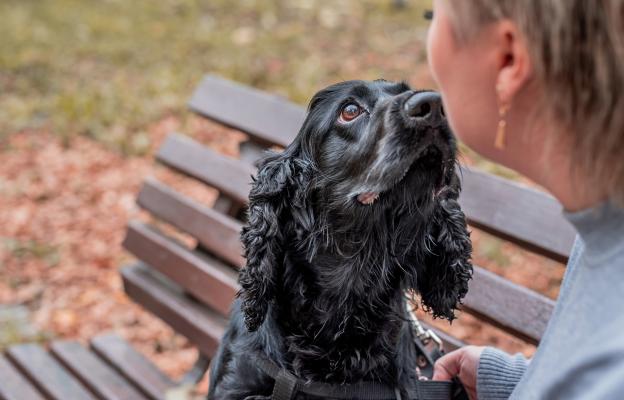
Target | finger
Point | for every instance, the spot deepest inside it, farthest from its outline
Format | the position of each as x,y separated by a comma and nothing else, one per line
447,367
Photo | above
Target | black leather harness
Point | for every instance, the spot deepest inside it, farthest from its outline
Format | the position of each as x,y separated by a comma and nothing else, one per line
288,385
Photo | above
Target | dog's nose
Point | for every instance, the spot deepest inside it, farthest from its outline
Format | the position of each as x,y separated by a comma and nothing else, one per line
425,106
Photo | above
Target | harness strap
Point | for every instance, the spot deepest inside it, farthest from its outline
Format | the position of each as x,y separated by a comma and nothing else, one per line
287,386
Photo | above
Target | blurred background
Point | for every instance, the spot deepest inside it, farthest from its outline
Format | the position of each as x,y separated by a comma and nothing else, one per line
88,89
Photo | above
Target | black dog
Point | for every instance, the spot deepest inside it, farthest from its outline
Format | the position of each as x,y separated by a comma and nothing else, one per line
360,209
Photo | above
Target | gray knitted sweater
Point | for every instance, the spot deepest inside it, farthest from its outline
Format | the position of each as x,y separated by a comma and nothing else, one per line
581,355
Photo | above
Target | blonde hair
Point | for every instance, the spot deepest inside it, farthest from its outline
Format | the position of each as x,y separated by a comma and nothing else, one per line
577,48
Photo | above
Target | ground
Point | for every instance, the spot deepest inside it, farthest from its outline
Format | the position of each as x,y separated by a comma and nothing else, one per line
90,89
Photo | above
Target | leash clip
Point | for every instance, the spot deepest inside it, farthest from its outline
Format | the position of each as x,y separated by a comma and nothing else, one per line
426,336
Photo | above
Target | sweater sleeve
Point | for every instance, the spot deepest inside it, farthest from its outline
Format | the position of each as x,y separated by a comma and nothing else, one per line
498,374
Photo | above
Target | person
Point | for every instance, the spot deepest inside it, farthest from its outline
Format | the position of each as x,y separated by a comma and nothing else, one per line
538,86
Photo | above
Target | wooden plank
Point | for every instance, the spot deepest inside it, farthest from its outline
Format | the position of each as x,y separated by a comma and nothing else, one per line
511,307
213,230
14,386
267,118
132,365
94,373
160,296
204,277
517,213
230,176
47,374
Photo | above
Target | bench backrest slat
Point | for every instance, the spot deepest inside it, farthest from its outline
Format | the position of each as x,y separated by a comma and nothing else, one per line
204,277
200,324
511,307
270,119
220,236
518,213
191,158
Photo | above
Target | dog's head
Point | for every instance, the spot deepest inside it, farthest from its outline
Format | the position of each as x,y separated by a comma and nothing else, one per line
372,159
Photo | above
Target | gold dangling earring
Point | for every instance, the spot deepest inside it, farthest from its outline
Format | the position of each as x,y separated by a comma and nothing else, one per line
499,141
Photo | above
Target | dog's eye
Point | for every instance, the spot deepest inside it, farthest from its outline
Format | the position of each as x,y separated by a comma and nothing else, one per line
350,112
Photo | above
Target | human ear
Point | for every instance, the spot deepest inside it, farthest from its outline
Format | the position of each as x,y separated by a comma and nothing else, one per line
513,61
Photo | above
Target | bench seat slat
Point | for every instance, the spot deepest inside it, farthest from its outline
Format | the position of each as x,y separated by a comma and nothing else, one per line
48,375
93,372
163,298
268,118
220,237
204,277
14,386
230,176
132,365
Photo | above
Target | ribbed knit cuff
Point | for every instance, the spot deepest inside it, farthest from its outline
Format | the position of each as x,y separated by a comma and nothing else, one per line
498,374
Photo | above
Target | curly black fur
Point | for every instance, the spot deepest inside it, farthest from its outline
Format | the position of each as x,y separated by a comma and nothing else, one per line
323,291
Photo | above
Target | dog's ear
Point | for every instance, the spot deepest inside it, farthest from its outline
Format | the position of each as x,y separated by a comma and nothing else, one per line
443,282
277,192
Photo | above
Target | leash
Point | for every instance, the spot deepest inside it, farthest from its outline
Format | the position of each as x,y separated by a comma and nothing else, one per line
428,343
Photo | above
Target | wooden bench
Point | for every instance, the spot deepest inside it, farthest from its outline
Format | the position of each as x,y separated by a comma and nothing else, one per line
192,288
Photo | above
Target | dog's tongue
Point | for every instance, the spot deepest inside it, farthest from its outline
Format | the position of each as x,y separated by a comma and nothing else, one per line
368,197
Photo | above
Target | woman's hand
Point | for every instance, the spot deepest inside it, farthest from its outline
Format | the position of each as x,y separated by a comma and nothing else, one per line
461,363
